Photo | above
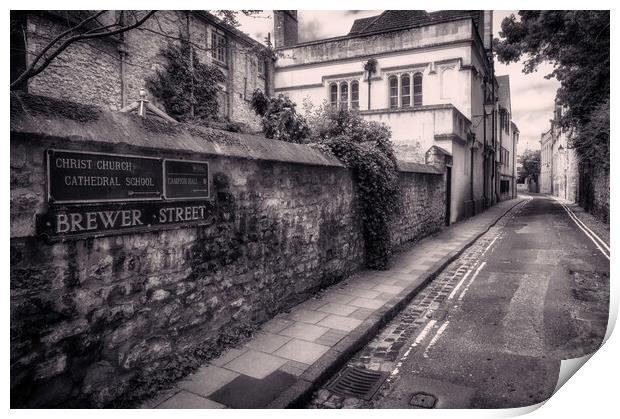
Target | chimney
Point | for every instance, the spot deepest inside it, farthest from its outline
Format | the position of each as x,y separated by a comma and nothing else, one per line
285,28
487,38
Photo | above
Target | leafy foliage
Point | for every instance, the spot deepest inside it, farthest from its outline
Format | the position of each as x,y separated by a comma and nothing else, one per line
230,16
279,118
365,147
577,43
188,88
530,160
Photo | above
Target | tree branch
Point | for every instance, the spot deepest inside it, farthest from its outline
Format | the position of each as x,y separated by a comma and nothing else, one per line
32,70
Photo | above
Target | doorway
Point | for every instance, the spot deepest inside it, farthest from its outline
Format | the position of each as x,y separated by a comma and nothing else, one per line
448,193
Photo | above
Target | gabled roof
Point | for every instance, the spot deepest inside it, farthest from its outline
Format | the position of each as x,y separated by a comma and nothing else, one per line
401,19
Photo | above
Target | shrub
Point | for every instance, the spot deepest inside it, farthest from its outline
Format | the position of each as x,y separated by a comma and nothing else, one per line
187,88
365,147
279,118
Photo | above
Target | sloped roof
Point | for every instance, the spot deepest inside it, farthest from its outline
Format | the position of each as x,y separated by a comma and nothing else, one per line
400,19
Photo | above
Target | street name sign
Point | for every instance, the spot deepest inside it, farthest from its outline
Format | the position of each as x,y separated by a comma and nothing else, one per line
79,177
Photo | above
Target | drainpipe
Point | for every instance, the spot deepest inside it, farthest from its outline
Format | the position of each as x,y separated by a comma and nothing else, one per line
369,83
122,52
484,149
471,179
494,115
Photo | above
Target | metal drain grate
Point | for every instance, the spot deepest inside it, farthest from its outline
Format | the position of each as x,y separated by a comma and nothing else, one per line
357,382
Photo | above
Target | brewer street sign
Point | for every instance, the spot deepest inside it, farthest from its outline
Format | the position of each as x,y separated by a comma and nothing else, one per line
77,221
79,177
185,179
99,194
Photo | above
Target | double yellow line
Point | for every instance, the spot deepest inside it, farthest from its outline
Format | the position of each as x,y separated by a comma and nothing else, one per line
600,243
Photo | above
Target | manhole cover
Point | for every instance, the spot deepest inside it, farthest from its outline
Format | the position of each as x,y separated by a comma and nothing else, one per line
423,400
357,382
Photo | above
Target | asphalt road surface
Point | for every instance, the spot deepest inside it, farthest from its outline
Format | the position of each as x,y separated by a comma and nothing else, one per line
491,329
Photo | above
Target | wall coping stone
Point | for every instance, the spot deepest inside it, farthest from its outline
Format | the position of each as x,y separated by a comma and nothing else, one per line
411,167
44,117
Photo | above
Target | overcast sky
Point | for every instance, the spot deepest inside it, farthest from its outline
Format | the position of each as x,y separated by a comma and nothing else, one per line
531,94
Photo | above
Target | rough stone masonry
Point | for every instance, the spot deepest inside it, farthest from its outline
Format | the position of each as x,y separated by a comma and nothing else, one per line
91,315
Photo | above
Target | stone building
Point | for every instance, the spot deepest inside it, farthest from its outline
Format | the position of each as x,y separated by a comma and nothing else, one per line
111,71
433,84
508,137
559,164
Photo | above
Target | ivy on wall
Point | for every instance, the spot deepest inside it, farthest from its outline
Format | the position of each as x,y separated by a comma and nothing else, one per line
364,147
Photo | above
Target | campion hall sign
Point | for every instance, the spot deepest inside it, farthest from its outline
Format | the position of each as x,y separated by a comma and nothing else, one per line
99,193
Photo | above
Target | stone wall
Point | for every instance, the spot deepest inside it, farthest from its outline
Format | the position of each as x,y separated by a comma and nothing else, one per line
594,191
90,72
422,208
92,317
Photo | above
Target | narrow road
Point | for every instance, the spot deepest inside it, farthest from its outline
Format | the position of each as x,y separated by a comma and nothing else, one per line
491,329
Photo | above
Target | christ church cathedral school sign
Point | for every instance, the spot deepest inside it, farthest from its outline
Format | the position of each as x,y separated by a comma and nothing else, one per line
101,194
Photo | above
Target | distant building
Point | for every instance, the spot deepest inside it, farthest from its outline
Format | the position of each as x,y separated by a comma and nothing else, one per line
546,161
559,164
111,71
434,85
506,151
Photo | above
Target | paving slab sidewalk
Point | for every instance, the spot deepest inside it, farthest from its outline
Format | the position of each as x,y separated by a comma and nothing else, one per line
295,352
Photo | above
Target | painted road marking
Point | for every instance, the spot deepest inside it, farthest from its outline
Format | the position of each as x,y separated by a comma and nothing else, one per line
435,338
471,280
582,224
453,293
590,236
415,343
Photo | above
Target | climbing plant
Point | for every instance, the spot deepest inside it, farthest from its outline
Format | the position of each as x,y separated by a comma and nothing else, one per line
187,88
366,148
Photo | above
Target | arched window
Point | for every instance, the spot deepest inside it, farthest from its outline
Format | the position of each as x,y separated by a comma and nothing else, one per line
355,95
417,89
405,91
344,95
448,82
393,85
333,94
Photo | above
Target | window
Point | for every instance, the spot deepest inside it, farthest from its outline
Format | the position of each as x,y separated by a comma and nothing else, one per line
344,95
393,83
504,186
417,89
218,47
261,66
405,91
448,83
355,95
333,94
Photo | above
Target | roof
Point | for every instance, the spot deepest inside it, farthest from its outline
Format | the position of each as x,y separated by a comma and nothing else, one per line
514,126
401,19
503,83
78,125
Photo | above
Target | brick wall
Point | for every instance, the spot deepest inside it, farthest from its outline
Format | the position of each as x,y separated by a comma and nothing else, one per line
90,72
90,316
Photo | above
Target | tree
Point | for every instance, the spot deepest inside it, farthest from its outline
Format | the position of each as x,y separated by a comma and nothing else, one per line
279,118
188,88
577,43
84,26
86,29
530,161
